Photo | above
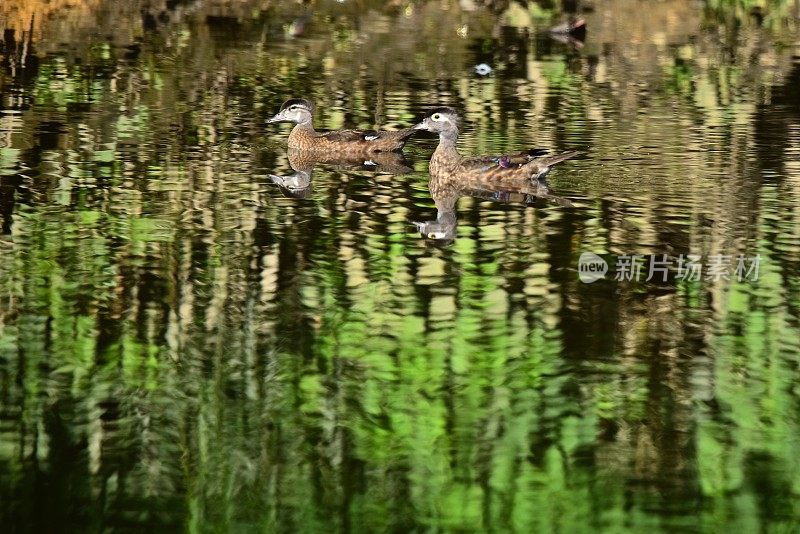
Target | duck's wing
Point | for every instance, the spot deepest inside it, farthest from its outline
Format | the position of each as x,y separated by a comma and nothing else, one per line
517,158
549,161
505,168
348,136
525,154
375,136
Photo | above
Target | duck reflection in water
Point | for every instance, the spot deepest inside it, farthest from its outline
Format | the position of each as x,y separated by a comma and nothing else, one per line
298,184
446,191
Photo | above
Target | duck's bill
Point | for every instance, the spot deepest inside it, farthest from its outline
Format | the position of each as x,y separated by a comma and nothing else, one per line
275,118
421,126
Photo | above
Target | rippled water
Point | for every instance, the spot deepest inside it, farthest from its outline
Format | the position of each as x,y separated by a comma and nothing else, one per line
186,345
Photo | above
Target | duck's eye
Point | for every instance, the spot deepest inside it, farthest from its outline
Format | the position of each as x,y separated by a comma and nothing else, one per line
293,108
436,117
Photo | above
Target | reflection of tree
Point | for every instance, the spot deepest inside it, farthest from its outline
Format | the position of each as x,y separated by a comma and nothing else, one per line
177,341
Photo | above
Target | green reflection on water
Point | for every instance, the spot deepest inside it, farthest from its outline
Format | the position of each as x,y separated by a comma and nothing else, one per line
182,346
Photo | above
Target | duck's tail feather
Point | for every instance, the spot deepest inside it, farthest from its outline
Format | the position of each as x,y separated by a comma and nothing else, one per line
405,133
395,140
549,161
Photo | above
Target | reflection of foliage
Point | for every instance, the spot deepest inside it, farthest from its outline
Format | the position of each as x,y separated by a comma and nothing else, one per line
679,78
735,12
179,346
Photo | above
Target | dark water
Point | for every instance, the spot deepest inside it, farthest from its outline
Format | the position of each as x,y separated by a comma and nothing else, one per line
184,345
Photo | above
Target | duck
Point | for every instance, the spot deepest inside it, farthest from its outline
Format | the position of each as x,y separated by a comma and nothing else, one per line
571,32
344,142
574,27
448,164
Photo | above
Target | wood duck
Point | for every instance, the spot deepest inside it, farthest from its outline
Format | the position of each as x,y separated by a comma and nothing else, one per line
574,26
353,142
447,162
572,32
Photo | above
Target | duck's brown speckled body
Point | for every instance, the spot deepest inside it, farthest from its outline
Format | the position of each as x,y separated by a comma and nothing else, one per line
447,164
347,143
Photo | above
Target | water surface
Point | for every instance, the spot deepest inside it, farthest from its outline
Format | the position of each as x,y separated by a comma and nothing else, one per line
186,345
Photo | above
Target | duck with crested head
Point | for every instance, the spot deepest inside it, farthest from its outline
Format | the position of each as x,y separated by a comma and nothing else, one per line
447,163
346,142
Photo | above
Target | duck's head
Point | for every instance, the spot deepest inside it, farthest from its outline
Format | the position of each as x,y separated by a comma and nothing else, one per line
441,121
296,110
